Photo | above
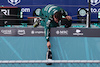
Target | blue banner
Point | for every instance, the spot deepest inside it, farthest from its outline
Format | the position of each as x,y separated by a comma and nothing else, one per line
71,6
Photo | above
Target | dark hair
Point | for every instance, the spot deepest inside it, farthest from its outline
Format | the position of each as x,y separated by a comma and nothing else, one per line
66,22
58,15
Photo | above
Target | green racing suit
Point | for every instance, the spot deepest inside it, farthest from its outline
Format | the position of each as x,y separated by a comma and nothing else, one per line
47,21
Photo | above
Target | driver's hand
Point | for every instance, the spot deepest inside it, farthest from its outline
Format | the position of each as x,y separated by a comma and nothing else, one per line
68,17
48,44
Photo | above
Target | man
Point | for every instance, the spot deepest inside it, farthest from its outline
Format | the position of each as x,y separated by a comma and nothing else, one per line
51,16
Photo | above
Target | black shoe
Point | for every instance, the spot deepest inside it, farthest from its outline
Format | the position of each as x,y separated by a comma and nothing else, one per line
49,56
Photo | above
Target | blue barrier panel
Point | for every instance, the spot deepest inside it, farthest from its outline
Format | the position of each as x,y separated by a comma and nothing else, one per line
63,48
66,44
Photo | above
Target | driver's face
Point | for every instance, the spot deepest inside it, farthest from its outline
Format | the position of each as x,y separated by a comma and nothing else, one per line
55,19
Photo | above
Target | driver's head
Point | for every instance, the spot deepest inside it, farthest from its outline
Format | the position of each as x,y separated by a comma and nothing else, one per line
57,16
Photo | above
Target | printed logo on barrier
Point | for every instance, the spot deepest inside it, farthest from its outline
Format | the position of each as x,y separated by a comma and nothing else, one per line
21,32
14,2
78,32
62,32
6,31
94,2
37,32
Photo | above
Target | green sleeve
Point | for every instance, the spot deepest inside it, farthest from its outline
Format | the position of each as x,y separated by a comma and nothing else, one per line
47,29
64,13
46,24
